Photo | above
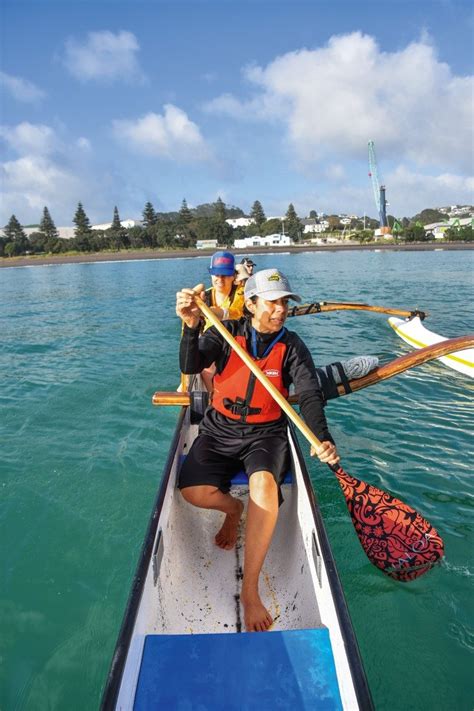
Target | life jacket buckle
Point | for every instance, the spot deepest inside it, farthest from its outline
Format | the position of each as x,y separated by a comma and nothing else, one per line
240,408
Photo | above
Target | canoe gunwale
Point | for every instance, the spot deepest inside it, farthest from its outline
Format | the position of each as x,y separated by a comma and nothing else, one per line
354,658
114,678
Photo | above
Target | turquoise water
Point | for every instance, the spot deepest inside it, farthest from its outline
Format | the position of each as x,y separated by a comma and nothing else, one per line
83,348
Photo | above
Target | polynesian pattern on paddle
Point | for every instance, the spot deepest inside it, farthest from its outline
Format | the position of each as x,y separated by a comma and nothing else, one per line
395,537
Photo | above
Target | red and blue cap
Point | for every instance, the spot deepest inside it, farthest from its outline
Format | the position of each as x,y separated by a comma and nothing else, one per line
222,264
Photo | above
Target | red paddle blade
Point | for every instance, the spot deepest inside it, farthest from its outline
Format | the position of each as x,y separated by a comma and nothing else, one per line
394,536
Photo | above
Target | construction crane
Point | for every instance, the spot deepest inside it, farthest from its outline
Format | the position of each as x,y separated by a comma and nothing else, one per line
379,190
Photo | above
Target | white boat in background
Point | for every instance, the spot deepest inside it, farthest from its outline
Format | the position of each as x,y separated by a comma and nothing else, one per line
180,644
414,332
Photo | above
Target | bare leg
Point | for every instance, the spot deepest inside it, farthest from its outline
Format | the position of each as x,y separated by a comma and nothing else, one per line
262,516
209,497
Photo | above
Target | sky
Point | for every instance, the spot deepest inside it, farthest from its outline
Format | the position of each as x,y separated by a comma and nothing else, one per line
115,103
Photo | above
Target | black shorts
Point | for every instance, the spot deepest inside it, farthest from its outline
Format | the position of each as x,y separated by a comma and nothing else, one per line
214,461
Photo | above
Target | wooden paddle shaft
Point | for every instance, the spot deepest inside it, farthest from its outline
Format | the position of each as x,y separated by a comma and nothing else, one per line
275,393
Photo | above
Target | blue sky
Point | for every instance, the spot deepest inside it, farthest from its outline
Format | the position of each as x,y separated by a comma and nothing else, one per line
117,103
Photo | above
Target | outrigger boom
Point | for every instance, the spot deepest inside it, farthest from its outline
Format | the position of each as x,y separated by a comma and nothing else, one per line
317,307
389,370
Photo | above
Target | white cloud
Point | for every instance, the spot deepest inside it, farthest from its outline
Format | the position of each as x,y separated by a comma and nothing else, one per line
30,183
229,105
84,144
335,172
21,89
333,99
209,77
39,175
171,135
415,190
104,56
27,137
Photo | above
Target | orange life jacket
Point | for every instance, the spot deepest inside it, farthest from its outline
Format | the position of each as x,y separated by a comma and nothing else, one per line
240,396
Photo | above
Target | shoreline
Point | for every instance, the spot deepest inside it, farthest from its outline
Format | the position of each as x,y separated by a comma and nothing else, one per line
128,255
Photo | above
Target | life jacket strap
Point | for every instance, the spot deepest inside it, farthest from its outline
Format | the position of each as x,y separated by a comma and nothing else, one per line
239,407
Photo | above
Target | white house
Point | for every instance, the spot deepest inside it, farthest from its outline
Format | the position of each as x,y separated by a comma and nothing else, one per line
310,227
438,229
460,210
275,240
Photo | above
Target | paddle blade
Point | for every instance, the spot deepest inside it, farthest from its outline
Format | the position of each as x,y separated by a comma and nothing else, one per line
395,538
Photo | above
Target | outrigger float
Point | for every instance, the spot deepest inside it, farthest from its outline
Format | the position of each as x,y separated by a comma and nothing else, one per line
179,645
409,327
416,334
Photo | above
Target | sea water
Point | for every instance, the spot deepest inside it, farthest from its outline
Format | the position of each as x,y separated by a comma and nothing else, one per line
82,349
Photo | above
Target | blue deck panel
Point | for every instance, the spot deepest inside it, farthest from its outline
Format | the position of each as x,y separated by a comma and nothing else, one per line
241,477
235,672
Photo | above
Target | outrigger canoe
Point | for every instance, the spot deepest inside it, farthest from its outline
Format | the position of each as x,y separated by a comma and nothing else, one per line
413,332
182,646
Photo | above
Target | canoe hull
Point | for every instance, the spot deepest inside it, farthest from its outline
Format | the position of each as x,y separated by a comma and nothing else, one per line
187,589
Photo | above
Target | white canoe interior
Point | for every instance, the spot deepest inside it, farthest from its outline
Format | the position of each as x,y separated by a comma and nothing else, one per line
209,604
413,331
192,586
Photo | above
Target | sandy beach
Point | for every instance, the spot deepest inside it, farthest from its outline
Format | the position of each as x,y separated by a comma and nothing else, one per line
51,259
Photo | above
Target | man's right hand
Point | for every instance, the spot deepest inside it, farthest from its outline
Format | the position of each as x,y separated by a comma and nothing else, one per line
327,453
186,307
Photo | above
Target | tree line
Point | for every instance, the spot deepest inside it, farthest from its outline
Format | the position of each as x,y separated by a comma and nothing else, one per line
182,229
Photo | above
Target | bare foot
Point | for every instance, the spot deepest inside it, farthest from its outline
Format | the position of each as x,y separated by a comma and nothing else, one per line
226,537
256,616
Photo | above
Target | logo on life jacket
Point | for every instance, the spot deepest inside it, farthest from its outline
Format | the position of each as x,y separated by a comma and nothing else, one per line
272,373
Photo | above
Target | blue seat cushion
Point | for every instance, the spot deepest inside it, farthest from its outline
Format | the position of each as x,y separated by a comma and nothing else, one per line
241,477
266,671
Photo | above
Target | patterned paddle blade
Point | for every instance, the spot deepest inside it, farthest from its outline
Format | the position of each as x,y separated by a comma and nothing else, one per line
394,536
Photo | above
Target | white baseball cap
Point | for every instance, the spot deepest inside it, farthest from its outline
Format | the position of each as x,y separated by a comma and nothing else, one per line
270,284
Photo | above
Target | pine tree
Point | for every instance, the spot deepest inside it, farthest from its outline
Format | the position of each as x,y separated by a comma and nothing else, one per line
13,231
116,225
149,215
47,226
220,211
258,214
83,227
118,234
292,223
185,214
